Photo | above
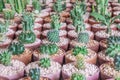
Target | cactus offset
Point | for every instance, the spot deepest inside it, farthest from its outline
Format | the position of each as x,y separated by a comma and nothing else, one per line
5,58
80,50
34,74
48,49
78,76
53,36
16,48
83,37
45,62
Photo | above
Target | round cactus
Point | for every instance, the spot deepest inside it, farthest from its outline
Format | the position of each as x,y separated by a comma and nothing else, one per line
53,36
78,76
83,37
45,62
34,74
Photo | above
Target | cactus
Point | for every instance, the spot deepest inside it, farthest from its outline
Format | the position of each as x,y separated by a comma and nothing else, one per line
8,14
5,58
16,48
37,6
55,23
45,62
2,5
58,6
78,76
113,40
117,62
80,64
80,50
53,36
83,37
49,49
34,74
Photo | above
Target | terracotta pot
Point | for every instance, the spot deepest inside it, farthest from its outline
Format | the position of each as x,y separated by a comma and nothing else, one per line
10,34
47,19
5,43
105,75
91,60
91,21
92,44
25,57
63,43
47,10
58,57
104,58
62,33
69,21
103,45
28,78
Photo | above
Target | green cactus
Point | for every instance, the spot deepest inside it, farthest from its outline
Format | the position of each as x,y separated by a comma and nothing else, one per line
80,64
113,40
117,62
78,76
80,50
34,74
55,23
58,6
49,49
37,6
2,5
5,58
16,48
83,37
53,36
45,62
8,14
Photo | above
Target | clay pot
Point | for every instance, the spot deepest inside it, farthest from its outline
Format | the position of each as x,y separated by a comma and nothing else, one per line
25,57
91,60
39,20
114,4
91,21
5,43
13,27
103,45
68,20
44,14
29,7
10,34
92,44
58,57
28,78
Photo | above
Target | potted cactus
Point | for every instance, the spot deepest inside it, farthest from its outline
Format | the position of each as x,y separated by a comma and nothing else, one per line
19,52
53,50
10,69
90,56
48,68
84,39
27,36
90,71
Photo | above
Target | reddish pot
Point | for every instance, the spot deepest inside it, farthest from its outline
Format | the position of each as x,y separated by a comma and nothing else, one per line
71,58
103,45
44,14
58,57
63,43
5,43
62,33
92,44
10,34
65,14
39,20
91,21
68,20
13,27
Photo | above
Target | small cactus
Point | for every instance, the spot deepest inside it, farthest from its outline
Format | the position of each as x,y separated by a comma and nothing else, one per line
45,62
37,6
16,48
8,14
113,40
2,5
53,36
34,74
48,49
117,62
78,76
80,50
83,37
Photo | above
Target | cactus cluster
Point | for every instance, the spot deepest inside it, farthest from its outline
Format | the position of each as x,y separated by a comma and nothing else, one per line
83,37
117,62
34,74
16,48
8,14
53,36
48,49
45,62
78,76
5,58
80,50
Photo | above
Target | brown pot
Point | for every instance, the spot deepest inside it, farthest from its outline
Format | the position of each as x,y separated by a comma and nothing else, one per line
10,34
92,44
58,57
91,21
68,20
103,45
5,43
28,78
25,57
13,27
91,60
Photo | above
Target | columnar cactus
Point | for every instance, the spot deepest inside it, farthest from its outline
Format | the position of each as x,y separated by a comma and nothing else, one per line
34,74
2,5
48,49
83,37
80,50
78,76
16,48
53,36
45,62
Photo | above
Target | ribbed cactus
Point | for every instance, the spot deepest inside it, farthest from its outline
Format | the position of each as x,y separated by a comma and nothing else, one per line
78,76
83,37
34,74
55,23
5,58
113,40
53,36
117,62
2,5
8,14
80,50
37,6
45,62
16,48
48,49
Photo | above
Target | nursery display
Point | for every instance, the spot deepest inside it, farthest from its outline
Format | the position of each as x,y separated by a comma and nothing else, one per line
59,39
